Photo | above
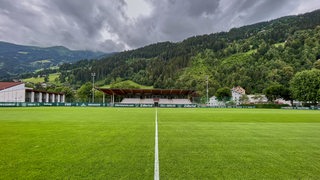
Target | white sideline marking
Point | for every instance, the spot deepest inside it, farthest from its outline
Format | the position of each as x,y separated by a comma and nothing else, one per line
156,154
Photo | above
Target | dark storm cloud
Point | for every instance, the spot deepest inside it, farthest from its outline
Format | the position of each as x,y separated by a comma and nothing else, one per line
75,24
107,26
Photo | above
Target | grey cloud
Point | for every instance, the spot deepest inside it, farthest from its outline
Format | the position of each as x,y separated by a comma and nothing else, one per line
266,10
105,25
180,19
111,45
199,7
175,20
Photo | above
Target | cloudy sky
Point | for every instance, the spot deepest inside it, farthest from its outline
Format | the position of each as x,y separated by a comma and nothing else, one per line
116,25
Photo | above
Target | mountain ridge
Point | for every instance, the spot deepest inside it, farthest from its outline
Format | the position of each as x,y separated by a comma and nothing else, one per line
18,59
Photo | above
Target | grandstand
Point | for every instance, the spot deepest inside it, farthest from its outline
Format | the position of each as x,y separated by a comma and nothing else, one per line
150,96
152,101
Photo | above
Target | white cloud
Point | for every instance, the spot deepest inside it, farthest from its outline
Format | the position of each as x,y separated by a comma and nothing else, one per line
306,6
137,8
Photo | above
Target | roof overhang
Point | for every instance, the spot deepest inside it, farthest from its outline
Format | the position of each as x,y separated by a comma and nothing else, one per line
122,92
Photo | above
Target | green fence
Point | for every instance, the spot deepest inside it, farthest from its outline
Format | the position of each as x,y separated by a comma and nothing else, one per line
160,105
78,104
178,105
29,104
303,108
238,107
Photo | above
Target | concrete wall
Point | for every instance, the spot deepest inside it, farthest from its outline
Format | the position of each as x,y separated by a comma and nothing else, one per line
13,94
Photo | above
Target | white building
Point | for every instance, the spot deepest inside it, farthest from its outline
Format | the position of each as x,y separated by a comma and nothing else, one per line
236,92
282,101
12,92
17,92
214,102
257,99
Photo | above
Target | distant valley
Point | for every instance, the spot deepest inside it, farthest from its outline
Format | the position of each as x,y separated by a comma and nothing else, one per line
19,59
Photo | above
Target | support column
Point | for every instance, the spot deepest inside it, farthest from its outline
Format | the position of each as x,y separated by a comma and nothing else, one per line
103,98
58,98
40,96
32,97
63,98
53,97
47,97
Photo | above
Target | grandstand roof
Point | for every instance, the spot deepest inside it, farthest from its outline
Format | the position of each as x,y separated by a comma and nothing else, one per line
147,91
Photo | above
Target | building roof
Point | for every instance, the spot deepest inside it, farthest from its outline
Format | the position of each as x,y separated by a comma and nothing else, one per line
147,91
6,85
239,90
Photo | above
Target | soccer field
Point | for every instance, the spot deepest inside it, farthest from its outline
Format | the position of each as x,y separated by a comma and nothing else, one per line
119,143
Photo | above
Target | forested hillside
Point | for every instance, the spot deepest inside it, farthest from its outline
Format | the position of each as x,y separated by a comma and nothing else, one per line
254,57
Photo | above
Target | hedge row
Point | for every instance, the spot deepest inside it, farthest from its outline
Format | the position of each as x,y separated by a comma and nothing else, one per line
267,106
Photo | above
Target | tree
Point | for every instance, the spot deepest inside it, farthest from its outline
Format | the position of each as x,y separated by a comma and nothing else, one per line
317,64
69,94
98,97
305,86
263,49
244,99
46,78
277,91
84,93
258,97
223,94
125,84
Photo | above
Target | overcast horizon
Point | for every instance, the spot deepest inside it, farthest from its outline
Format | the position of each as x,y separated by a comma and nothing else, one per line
117,25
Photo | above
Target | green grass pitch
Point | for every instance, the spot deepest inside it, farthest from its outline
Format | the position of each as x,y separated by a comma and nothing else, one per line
118,143
76,143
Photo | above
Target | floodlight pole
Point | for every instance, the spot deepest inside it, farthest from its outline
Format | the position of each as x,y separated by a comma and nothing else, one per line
93,75
207,90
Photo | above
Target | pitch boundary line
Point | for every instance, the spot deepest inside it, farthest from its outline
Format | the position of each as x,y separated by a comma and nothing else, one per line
156,150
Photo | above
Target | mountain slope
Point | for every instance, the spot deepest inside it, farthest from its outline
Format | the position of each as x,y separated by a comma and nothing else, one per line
17,59
253,57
